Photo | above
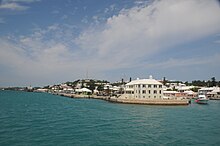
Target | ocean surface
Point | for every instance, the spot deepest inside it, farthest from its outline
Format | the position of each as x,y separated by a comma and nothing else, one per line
44,119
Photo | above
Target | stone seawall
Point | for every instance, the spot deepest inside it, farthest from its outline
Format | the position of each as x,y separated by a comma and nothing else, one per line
82,96
130,101
151,102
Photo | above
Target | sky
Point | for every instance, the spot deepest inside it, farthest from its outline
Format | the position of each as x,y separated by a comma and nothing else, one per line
46,42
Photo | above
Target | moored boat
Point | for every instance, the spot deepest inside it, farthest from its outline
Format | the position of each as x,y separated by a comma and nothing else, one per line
202,99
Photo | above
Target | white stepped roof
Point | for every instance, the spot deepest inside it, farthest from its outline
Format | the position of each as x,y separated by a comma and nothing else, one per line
144,81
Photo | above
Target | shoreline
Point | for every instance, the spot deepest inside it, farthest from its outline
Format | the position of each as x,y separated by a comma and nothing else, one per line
168,102
113,99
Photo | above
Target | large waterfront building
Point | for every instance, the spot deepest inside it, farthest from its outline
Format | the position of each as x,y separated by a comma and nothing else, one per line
210,92
205,90
144,89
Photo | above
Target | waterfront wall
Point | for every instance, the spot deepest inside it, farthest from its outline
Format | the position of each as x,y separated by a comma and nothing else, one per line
131,101
151,102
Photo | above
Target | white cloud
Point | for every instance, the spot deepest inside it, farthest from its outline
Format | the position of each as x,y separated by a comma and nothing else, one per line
13,6
179,62
142,31
123,41
40,65
25,1
16,4
43,57
217,41
85,20
141,2
110,9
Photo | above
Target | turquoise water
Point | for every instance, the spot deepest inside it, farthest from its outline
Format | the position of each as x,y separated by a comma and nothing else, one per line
44,119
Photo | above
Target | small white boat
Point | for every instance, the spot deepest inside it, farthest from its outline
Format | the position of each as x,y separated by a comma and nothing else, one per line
202,99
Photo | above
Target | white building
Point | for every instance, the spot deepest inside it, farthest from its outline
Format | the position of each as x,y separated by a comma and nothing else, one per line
205,90
184,88
214,94
84,91
41,90
143,89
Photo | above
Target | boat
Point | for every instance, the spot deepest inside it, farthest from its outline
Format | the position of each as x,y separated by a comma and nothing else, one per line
202,99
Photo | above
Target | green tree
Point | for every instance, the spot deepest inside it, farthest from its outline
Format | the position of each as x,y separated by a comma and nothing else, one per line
100,88
91,85
213,81
164,81
195,89
82,85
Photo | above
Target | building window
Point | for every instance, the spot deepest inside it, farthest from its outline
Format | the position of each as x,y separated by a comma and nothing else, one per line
139,92
143,96
139,86
160,86
143,86
149,96
149,86
155,91
155,86
149,91
143,91
160,91
154,96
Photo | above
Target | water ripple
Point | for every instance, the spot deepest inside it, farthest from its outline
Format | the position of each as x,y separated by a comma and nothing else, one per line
44,119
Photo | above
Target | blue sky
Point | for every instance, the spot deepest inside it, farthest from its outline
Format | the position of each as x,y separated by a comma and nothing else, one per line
52,41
